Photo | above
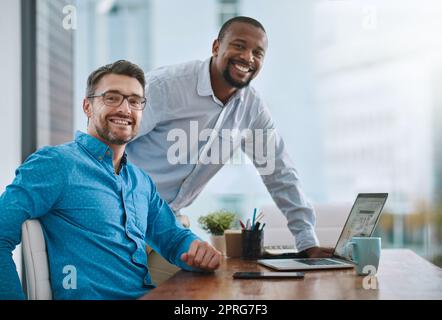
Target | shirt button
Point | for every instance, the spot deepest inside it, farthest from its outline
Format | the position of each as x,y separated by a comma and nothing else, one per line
108,153
100,158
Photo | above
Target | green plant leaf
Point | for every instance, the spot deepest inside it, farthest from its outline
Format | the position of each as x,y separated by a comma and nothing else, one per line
216,222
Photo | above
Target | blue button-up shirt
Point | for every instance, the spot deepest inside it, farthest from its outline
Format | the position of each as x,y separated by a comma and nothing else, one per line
182,104
95,222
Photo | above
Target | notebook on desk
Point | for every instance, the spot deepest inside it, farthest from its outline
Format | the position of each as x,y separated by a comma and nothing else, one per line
361,221
279,250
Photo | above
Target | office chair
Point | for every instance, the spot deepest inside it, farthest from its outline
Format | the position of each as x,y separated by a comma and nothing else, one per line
36,284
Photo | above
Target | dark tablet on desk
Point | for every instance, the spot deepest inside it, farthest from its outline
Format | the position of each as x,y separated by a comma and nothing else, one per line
268,275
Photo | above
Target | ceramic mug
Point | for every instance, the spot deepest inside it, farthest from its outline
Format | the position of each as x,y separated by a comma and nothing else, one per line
366,252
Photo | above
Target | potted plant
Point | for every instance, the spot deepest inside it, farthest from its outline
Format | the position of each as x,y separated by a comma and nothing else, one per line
215,223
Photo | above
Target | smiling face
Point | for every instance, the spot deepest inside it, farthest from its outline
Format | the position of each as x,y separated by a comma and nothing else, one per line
239,55
114,125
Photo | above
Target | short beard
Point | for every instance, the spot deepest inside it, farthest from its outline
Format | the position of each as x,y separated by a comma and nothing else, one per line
107,136
232,82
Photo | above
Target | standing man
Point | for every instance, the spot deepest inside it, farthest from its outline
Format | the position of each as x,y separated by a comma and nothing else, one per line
201,99
97,210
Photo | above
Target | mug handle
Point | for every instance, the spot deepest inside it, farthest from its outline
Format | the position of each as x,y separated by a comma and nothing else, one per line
347,247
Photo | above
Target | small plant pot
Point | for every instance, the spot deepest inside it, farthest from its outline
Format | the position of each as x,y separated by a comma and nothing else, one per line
219,242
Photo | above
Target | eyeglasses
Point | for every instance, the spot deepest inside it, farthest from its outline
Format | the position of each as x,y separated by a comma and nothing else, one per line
115,99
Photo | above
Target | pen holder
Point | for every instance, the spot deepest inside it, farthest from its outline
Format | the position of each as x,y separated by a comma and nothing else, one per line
233,243
252,244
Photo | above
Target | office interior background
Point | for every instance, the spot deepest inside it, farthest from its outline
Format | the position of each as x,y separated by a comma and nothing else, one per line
354,88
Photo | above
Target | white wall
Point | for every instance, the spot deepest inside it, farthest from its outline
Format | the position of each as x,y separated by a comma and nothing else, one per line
10,107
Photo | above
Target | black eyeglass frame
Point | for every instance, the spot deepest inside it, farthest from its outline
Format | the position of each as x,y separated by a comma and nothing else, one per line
125,97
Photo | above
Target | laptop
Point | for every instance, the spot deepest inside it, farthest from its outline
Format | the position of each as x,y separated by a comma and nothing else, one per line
362,220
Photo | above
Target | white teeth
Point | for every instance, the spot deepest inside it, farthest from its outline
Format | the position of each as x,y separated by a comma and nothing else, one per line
122,122
241,68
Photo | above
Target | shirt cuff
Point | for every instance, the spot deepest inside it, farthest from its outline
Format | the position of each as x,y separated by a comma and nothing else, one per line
306,239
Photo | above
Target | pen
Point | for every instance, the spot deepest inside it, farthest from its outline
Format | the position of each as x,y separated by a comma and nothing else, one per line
242,224
256,228
253,219
248,224
263,225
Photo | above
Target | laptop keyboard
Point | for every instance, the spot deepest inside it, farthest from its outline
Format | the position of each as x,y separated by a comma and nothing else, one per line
318,262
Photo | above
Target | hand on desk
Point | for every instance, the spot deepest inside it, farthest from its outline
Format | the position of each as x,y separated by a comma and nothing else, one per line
319,252
202,255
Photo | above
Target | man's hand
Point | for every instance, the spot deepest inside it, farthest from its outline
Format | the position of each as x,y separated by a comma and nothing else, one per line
202,255
318,252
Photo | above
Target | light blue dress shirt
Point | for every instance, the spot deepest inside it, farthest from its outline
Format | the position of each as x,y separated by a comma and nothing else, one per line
181,97
93,220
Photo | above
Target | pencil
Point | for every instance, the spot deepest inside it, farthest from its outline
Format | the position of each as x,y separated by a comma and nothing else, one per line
260,216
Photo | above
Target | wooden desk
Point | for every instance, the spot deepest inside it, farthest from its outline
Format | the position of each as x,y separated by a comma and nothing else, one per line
402,275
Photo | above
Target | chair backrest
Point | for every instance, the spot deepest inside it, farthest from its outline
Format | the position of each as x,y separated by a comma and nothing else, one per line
35,261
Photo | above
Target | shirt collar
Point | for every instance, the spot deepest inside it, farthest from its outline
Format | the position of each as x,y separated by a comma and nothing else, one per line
204,86
98,149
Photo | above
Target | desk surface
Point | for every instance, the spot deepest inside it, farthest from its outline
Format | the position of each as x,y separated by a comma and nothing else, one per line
402,275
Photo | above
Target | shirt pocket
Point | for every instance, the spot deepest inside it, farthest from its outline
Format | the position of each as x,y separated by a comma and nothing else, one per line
141,205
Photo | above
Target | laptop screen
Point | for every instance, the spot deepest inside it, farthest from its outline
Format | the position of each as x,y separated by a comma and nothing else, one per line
361,221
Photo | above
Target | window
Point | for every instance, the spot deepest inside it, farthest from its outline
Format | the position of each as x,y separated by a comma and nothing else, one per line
227,10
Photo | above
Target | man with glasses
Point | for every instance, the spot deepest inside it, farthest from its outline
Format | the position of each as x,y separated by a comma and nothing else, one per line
97,210
214,95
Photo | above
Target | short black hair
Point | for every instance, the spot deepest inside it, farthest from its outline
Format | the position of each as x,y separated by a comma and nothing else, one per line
121,67
242,19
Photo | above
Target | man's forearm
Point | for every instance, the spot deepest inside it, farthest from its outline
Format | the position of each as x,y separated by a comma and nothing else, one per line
284,188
